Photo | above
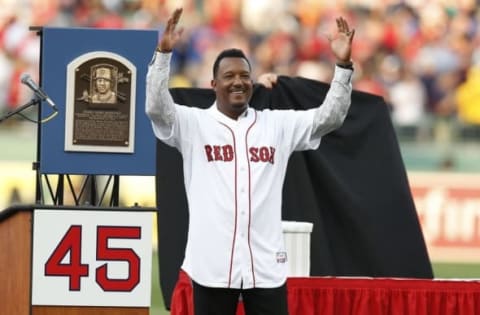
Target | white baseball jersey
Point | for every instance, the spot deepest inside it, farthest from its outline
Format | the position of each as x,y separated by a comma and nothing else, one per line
234,172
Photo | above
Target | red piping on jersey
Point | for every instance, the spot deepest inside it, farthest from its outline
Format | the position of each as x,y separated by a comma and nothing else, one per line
250,197
236,206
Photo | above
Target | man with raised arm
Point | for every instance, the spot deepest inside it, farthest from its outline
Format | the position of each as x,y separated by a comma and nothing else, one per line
234,163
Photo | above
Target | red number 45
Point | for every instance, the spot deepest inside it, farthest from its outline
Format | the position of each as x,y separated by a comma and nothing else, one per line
71,243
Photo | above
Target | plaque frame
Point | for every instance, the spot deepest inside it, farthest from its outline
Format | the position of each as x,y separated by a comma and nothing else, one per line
94,108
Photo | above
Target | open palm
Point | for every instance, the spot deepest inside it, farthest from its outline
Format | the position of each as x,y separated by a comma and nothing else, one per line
171,35
341,44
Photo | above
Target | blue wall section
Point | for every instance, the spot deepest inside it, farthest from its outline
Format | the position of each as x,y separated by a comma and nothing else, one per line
59,47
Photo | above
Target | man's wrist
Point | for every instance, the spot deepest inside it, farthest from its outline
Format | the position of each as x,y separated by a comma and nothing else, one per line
345,64
163,51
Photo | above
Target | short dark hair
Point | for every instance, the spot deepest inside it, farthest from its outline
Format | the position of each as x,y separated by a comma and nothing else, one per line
232,52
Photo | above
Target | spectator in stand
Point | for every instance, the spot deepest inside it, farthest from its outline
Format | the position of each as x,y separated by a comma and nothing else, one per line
407,96
22,49
468,102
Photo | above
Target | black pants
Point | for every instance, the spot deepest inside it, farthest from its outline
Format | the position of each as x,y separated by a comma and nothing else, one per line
257,301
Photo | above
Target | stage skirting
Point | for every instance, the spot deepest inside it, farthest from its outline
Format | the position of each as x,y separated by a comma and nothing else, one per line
362,296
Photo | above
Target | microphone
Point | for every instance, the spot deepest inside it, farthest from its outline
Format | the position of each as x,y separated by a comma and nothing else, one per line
28,81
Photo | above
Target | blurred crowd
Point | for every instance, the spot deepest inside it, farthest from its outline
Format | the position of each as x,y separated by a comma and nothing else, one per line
422,56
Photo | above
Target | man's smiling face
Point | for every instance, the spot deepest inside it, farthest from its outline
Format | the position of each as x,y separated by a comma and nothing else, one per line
233,86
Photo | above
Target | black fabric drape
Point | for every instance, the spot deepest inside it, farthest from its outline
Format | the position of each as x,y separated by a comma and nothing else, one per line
354,189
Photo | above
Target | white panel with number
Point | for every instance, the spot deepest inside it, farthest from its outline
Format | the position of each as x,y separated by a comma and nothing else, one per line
92,258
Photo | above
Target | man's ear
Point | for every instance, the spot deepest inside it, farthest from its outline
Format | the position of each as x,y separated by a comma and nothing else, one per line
213,83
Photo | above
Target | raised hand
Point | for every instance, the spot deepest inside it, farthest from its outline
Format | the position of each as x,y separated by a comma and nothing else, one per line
341,44
171,35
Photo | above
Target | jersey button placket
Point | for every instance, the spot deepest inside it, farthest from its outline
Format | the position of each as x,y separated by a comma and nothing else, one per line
243,207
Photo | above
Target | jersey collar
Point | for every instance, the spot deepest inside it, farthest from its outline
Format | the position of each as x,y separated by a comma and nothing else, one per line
245,117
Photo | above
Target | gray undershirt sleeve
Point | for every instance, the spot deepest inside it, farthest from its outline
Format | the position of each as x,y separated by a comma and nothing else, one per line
159,106
333,111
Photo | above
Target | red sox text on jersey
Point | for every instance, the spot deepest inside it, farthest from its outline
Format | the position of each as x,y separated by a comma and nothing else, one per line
225,153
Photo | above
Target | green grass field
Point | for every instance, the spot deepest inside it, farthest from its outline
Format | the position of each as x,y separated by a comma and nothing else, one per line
456,270
441,270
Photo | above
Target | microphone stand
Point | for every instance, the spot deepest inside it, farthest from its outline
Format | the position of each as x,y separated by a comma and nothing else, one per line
33,101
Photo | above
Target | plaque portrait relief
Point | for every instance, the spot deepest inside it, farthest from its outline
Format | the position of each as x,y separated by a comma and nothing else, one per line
100,105
104,84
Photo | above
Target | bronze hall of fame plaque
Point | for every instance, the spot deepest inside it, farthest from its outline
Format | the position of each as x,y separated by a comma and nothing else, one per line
100,103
